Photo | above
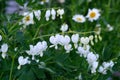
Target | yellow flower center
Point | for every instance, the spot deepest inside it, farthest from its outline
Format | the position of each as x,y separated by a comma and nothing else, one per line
92,14
27,18
79,19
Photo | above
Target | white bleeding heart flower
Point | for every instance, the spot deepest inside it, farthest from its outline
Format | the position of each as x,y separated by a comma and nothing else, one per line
47,15
68,48
53,13
60,12
22,61
83,52
4,49
54,40
92,57
94,67
64,27
84,40
64,40
75,39
37,14
32,51
37,49
102,70
105,67
0,37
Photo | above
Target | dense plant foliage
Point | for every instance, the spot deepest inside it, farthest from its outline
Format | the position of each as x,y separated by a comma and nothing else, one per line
60,40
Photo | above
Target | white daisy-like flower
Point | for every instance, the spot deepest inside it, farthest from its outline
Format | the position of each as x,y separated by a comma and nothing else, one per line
93,14
28,19
79,18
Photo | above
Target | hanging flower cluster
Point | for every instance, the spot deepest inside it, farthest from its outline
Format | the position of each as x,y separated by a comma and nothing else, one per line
28,16
82,44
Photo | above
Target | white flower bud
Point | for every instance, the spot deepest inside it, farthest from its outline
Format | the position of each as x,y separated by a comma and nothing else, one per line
60,12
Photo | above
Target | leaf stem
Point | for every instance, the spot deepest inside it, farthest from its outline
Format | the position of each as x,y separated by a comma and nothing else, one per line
74,32
11,70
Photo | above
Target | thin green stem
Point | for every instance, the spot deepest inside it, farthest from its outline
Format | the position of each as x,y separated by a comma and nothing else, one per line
1,75
11,70
74,32
37,32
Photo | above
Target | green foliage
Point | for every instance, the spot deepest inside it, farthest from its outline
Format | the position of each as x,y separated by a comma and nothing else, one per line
58,64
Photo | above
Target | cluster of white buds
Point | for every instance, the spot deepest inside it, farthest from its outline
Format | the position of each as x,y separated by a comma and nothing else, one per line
106,66
37,49
53,13
91,37
22,61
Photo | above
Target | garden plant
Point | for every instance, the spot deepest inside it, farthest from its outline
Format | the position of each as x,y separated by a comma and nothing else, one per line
60,40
